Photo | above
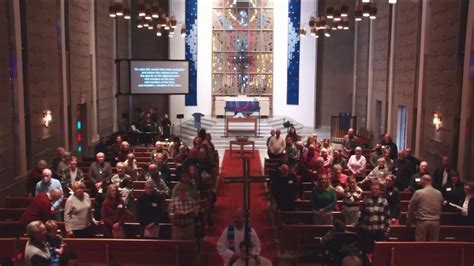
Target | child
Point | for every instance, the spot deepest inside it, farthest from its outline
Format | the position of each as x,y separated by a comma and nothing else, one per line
54,242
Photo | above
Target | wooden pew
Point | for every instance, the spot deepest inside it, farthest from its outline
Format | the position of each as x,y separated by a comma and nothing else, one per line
131,251
293,237
305,205
8,249
427,253
404,196
306,217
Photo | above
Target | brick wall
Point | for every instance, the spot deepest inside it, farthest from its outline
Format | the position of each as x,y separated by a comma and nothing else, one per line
405,64
7,140
43,78
336,64
362,73
105,69
442,88
381,42
80,62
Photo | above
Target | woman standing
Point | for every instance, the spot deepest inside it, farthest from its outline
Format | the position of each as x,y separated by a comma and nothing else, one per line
113,213
350,201
323,201
77,212
357,164
453,192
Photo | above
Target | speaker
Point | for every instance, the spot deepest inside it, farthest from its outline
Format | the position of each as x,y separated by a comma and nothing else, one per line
180,116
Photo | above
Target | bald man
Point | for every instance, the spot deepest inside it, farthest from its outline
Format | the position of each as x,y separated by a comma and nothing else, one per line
227,246
41,208
47,184
425,209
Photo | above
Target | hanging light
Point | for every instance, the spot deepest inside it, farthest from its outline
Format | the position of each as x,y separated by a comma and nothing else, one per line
163,19
148,12
345,24
392,1
312,21
365,1
158,30
334,25
337,15
366,10
112,13
344,10
313,31
155,11
340,25
118,10
183,30
127,14
373,12
145,24
139,23
330,12
327,32
302,31
141,10
167,25
358,15
173,22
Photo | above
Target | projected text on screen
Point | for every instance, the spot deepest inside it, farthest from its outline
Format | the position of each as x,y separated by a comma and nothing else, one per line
159,77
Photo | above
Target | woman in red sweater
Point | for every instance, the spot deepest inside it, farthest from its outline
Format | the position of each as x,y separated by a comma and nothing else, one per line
113,213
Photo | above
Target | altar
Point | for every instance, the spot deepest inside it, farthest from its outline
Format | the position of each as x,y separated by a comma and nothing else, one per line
220,104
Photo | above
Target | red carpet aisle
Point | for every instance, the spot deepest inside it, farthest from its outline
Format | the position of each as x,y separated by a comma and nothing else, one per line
230,198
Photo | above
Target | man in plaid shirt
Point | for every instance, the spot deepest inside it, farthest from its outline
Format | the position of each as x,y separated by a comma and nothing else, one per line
182,211
374,219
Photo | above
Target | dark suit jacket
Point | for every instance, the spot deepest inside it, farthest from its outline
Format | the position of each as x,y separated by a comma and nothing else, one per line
438,177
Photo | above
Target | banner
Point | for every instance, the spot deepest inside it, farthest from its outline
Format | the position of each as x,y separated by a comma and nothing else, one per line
191,51
294,14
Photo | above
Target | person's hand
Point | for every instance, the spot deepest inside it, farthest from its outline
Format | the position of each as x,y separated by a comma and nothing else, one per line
70,234
445,202
53,209
59,251
98,185
150,226
234,258
116,226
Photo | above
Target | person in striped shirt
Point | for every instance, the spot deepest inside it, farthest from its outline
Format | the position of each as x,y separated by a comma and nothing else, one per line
374,221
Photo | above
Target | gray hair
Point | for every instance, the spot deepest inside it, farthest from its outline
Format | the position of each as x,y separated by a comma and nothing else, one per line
33,228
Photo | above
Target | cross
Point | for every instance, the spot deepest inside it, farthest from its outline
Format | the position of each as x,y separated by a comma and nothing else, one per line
246,179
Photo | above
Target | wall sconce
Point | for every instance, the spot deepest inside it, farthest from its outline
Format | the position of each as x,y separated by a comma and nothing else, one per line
47,117
437,120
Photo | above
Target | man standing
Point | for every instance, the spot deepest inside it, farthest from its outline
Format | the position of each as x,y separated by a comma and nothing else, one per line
415,181
388,142
403,170
48,184
284,188
182,211
99,171
233,235
374,219
40,209
34,177
150,211
36,251
349,143
441,174
425,207
276,145
155,178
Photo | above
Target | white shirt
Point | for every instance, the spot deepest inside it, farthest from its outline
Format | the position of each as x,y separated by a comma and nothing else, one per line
223,245
276,145
73,176
357,165
252,262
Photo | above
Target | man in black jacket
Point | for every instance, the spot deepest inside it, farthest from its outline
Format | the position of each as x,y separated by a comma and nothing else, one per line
150,211
441,174
284,188
403,169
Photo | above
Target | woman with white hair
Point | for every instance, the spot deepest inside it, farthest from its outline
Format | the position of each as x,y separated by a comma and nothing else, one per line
78,212
357,164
